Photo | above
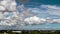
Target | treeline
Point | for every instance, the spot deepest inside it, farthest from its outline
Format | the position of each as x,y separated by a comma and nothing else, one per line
32,32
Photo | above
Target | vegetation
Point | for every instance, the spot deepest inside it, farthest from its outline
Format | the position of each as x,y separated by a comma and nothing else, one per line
33,32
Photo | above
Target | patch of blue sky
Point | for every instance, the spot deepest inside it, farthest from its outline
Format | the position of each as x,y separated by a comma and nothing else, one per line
43,27
9,15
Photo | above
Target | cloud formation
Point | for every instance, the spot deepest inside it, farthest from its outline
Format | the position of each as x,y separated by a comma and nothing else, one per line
35,20
52,9
2,8
8,3
28,15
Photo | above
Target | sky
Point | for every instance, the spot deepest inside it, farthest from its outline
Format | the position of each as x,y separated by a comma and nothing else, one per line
30,15
43,9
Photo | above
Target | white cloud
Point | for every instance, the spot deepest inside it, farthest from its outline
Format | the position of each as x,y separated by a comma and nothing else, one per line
35,20
50,20
56,20
2,8
51,9
7,22
9,4
1,15
35,10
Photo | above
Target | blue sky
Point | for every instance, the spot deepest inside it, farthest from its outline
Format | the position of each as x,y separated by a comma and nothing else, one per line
43,9
40,10
51,2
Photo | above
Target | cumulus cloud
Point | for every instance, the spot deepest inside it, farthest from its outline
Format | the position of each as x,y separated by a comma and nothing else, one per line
7,22
56,20
8,4
1,15
35,20
2,8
